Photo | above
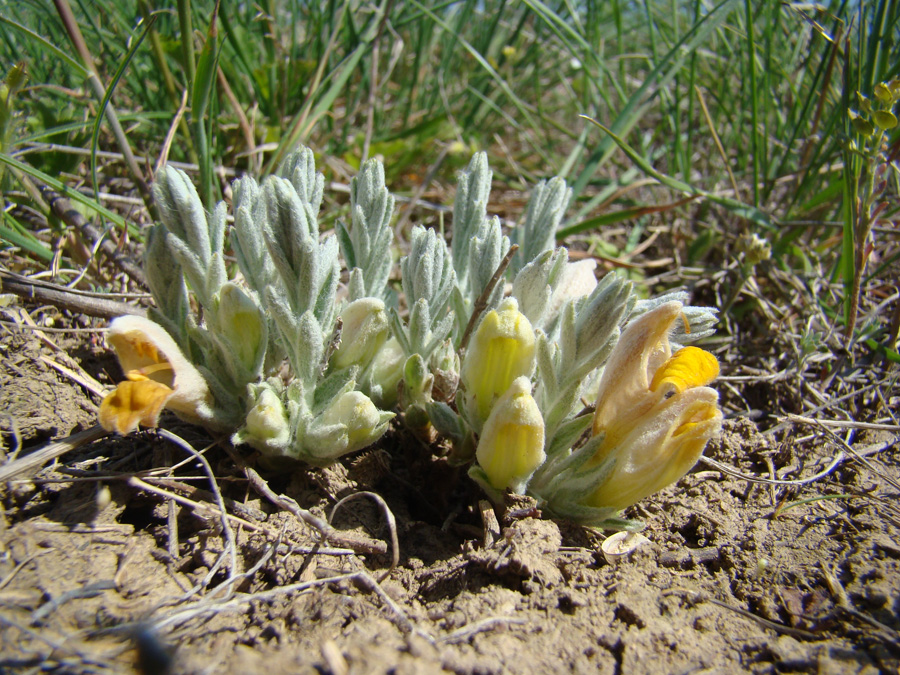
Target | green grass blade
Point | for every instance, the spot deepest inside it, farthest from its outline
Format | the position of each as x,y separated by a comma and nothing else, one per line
107,96
74,195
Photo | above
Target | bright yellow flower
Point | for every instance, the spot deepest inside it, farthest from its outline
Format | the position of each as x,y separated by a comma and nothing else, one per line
653,409
157,376
502,349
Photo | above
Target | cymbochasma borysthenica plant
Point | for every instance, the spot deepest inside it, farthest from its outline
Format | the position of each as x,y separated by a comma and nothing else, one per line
291,361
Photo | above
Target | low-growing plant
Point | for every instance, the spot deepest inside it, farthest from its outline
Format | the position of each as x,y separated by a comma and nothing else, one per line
296,364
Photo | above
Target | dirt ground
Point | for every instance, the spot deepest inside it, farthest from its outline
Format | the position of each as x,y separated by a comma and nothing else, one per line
101,570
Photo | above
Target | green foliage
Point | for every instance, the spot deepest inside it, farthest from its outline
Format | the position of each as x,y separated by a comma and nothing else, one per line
690,91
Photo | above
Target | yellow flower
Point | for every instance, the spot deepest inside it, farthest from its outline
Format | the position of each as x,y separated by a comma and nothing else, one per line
511,446
364,331
157,376
502,350
653,409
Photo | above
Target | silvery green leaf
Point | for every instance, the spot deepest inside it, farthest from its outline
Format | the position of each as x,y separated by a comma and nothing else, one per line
485,254
558,475
192,265
287,233
439,333
166,282
565,404
419,326
426,272
310,348
300,169
328,275
601,314
547,366
469,214
356,285
701,320
192,238
248,241
399,331
546,209
568,341
366,244
445,420
181,210
531,286
567,433
331,387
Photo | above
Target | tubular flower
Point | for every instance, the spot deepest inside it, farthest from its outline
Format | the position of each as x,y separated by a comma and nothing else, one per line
365,329
502,349
157,376
511,446
654,410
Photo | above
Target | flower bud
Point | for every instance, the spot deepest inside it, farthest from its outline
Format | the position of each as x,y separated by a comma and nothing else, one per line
385,373
883,93
511,446
445,366
365,329
417,378
756,249
351,422
267,426
502,349
242,324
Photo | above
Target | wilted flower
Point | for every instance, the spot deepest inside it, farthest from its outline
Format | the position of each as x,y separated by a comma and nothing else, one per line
511,446
502,350
157,376
653,410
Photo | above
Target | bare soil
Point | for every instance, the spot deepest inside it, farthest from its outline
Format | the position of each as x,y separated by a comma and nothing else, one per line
100,574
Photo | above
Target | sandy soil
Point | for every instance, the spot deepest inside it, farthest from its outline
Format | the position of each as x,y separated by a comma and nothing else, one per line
98,573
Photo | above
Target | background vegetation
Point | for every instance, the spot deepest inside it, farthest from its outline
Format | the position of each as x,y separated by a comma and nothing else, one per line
734,116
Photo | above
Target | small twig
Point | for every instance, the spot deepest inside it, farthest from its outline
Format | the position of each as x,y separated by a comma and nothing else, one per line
698,597
63,298
841,424
724,468
36,459
202,509
89,591
389,519
238,601
9,577
464,633
481,303
844,604
327,532
82,378
231,545
62,208
868,450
